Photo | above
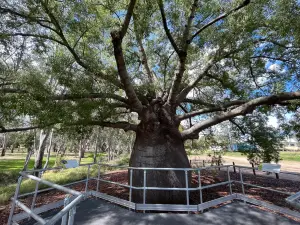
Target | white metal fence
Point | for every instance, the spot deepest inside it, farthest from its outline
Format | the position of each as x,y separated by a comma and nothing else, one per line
66,215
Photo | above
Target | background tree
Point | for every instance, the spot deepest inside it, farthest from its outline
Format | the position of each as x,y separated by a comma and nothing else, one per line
145,67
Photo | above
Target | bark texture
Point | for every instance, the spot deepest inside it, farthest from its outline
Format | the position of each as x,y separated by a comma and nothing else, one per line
3,146
38,164
159,144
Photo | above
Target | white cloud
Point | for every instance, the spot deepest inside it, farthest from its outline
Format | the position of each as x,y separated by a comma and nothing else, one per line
276,68
192,94
272,122
262,80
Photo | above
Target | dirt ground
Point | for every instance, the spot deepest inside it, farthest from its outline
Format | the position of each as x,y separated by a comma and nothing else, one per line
290,166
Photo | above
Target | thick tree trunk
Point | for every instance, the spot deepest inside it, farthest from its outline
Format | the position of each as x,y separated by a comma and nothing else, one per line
49,150
3,151
82,146
96,149
38,164
159,146
3,146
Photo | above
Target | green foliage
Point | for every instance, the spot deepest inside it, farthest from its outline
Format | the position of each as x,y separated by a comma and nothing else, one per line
264,142
56,55
10,173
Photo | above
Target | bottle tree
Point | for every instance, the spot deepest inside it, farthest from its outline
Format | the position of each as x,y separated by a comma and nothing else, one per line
147,66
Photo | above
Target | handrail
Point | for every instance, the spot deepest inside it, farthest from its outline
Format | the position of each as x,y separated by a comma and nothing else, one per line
294,200
265,188
41,170
57,186
65,210
144,188
30,212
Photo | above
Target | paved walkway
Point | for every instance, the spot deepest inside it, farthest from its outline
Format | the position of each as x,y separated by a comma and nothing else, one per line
99,212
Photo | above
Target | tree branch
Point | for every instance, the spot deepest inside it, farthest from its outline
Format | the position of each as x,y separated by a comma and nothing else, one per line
182,95
275,43
126,126
12,91
35,36
117,37
197,113
182,56
168,33
271,57
198,102
186,33
224,15
127,19
243,109
65,97
238,126
120,125
77,58
213,108
143,57
88,96
9,130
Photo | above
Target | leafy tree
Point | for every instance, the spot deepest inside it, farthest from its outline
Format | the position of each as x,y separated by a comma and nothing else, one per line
264,142
146,67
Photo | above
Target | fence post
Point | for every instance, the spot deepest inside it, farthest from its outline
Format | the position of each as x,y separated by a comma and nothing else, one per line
253,169
200,187
229,180
277,175
72,213
130,183
144,190
35,193
98,178
87,179
233,167
65,217
242,182
203,163
13,204
187,189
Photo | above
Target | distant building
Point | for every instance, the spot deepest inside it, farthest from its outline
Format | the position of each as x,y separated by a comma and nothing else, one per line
242,147
291,144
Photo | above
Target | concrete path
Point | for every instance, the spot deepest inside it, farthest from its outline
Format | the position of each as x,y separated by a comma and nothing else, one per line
99,212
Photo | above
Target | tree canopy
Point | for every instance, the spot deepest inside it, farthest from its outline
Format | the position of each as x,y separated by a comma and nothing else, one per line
91,62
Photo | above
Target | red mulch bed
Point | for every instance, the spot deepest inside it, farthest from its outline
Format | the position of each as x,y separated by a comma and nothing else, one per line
207,177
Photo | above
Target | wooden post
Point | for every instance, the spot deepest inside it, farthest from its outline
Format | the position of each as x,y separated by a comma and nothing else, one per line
277,175
233,167
253,169
203,163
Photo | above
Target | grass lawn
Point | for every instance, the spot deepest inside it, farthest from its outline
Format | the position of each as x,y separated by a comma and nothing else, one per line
9,173
290,156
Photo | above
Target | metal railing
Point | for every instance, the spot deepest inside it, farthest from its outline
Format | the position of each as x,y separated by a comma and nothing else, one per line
200,187
30,211
70,207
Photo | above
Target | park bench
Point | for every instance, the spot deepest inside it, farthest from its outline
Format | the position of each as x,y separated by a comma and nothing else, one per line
271,168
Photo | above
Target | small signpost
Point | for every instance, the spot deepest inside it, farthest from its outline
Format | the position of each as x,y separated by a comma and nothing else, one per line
72,163
271,168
